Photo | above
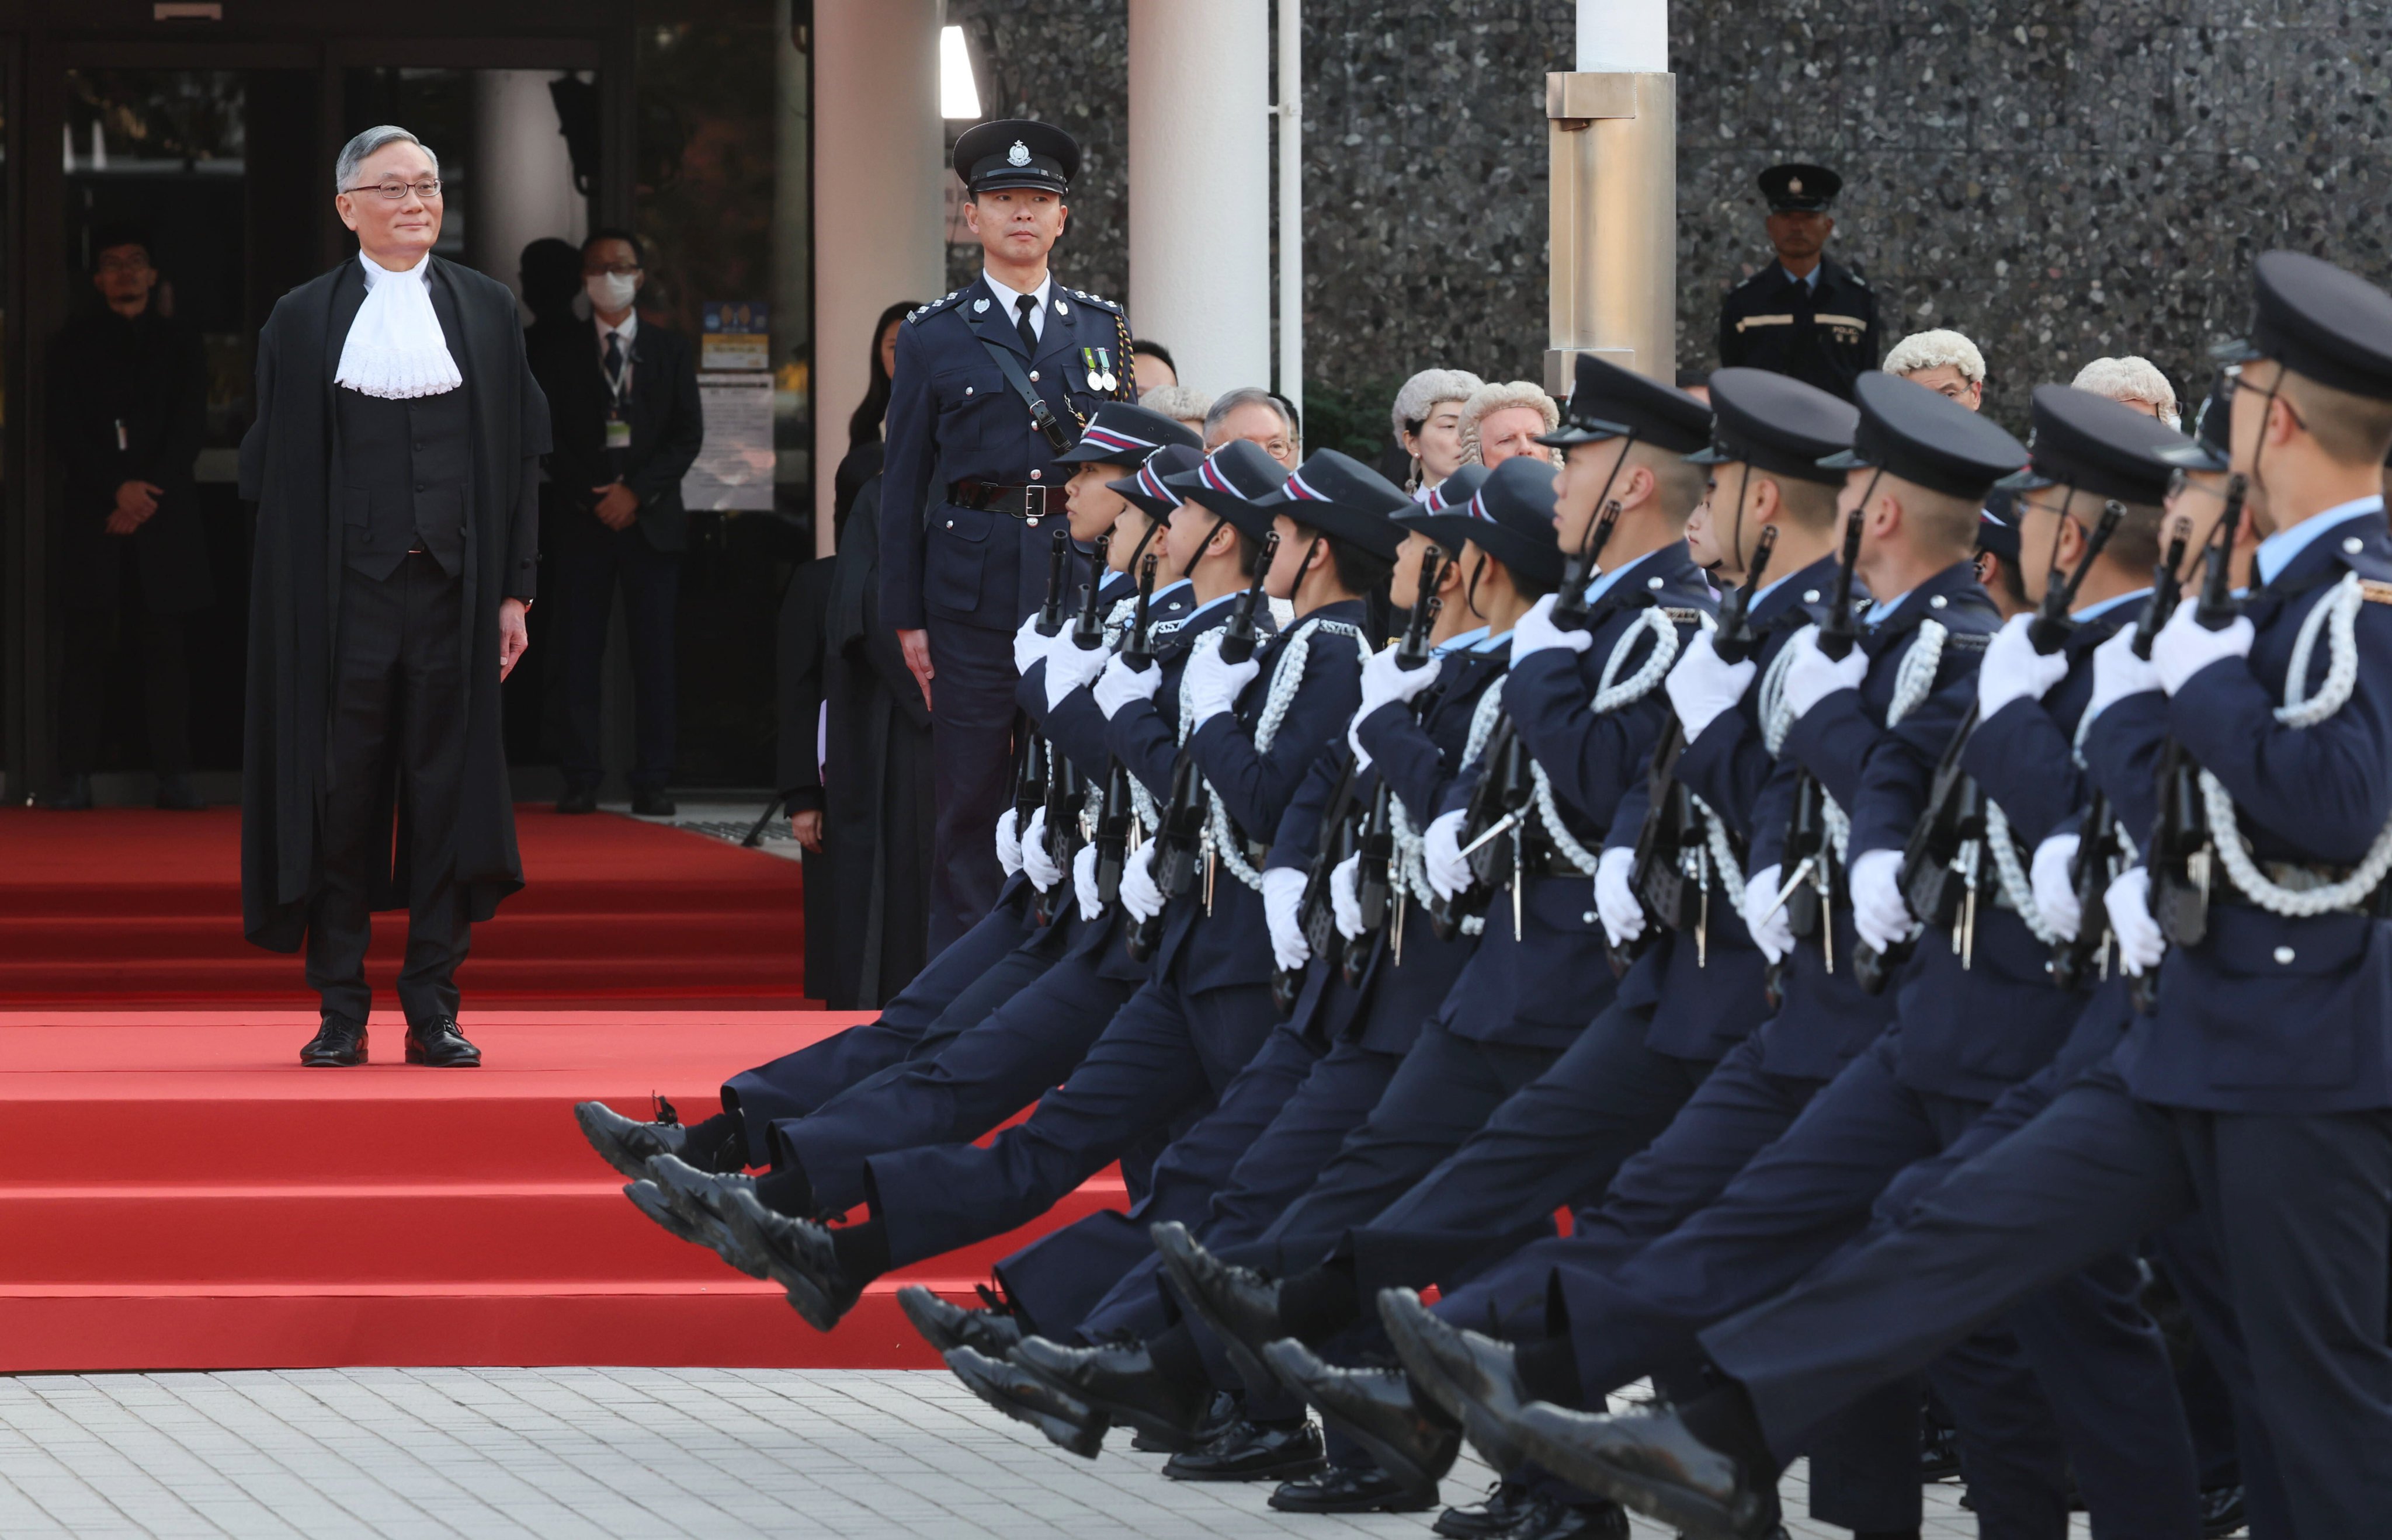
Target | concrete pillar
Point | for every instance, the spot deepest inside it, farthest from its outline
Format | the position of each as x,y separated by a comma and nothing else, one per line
1200,278
792,251
879,171
518,172
1612,137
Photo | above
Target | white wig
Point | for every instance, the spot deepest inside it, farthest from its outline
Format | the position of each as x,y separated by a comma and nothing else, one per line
1934,350
1423,390
2131,378
1489,399
1184,403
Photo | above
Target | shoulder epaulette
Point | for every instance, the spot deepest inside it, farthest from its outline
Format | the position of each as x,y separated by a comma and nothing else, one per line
2376,591
1098,300
933,308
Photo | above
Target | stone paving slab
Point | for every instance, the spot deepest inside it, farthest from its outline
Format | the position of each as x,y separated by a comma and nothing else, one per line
605,1453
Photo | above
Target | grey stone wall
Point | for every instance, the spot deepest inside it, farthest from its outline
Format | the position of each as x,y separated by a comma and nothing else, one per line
2057,178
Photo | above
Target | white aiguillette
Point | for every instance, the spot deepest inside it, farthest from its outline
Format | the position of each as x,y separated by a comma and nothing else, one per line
395,348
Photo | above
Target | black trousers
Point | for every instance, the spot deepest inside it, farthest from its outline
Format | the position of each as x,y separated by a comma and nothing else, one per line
971,751
583,576
398,699
91,637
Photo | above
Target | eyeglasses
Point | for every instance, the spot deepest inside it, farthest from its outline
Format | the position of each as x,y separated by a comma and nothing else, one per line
2182,482
391,192
123,265
2234,382
619,269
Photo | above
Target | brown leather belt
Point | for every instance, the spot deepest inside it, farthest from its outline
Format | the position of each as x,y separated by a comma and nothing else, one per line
1031,504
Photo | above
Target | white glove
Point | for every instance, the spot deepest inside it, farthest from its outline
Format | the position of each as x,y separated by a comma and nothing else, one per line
1614,899
1139,897
2012,669
1282,897
1384,679
1701,687
2055,886
1448,870
2129,899
1345,896
1037,861
1879,913
1083,882
1120,684
2185,646
1068,667
1029,645
1008,842
2117,673
1774,934
1210,687
1813,676
1534,631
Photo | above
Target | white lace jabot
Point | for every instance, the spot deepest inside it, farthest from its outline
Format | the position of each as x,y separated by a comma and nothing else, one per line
395,348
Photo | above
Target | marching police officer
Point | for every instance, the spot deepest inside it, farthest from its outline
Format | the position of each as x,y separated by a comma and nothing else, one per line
992,384
1803,315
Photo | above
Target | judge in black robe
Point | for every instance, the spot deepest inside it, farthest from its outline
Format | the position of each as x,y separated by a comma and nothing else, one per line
380,621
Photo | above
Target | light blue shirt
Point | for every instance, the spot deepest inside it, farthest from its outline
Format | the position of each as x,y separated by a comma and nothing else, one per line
1882,608
2103,607
1604,581
1809,281
1173,587
1210,604
1461,642
2276,552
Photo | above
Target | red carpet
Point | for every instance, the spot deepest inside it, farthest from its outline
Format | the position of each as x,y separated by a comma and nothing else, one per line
175,1192
134,907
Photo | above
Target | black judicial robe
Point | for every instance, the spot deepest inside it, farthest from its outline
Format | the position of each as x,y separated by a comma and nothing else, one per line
288,461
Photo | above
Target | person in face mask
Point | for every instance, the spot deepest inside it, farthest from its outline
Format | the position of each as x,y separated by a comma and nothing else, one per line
624,394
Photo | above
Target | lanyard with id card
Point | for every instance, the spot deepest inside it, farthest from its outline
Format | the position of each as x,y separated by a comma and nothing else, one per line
618,413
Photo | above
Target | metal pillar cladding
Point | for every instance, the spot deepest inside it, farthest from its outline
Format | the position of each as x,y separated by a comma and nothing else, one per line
1613,278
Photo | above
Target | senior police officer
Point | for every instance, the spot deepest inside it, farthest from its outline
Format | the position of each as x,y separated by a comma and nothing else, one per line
992,384
1803,315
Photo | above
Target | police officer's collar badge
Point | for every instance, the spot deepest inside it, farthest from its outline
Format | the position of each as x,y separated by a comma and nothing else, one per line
1020,156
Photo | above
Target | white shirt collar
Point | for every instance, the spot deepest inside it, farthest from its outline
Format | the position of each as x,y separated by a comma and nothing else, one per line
2276,552
629,330
1007,297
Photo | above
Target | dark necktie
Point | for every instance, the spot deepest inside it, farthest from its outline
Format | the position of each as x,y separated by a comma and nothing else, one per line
614,361
1022,305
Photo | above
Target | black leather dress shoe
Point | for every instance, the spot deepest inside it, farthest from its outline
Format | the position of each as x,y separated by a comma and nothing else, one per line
2221,1511
1495,1514
696,1198
1377,1408
1120,1379
337,1044
651,802
1652,1463
439,1044
946,1325
1347,1489
1544,1518
710,1233
1472,1376
1220,1418
177,795
1254,1451
796,1253
624,1145
578,799
1068,1423
73,796
1240,1304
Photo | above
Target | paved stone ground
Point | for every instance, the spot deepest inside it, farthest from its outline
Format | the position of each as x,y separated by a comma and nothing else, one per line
595,1452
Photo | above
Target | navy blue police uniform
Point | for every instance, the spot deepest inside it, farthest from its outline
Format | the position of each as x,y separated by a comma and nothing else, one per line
968,484
1821,329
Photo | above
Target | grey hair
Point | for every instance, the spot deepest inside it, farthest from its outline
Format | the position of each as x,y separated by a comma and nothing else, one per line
2131,376
1244,396
354,154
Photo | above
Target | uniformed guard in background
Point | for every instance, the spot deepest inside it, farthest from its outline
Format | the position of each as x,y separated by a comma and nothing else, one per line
1803,315
993,382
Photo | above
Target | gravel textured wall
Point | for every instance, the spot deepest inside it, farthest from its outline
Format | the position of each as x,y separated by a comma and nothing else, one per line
2059,179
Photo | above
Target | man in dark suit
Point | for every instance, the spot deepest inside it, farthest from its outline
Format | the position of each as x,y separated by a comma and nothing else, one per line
1803,315
623,396
128,405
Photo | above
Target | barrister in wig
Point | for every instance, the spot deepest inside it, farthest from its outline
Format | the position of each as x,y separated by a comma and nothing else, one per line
393,463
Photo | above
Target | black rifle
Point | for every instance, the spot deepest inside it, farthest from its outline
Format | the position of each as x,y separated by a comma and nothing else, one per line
1030,762
1065,786
1942,861
1313,913
2091,870
2178,853
1182,834
1672,848
1113,821
1808,895
1376,886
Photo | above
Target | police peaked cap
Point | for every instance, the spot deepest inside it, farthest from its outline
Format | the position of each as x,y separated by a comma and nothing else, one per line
2102,447
1345,500
2321,322
1232,481
1122,433
2212,447
1997,532
1611,402
1017,152
1926,437
1797,187
1776,423
1148,489
1449,496
1510,517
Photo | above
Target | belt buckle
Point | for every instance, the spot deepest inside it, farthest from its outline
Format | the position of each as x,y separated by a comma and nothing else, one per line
1034,508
